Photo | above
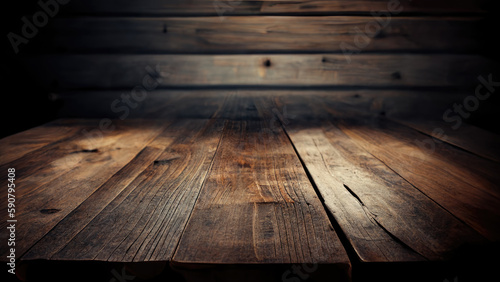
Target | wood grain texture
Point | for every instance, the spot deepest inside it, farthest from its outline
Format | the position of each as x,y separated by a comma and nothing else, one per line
15,146
158,104
157,7
202,103
258,34
363,6
89,143
236,7
257,206
383,216
75,168
462,183
467,137
129,71
144,221
80,217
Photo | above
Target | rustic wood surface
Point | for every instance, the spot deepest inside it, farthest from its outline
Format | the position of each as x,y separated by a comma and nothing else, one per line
252,184
395,205
140,213
374,70
202,103
461,182
467,137
11,148
260,34
384,217
237,7
75,167
258,206
262,149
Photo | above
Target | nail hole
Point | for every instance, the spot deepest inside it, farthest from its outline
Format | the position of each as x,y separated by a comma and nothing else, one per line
396,75
49,211
267,63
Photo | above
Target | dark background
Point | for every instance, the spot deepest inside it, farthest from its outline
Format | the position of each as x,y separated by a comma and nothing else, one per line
28,103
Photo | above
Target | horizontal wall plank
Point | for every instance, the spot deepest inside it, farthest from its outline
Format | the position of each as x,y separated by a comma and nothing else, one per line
153,71
158,7
258,34
173,103
359,6
237,7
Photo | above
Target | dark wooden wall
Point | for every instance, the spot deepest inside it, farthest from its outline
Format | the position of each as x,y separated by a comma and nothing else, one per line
426,57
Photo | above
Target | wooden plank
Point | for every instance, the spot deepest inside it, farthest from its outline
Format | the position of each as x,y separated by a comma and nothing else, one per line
363,6
15,146
157,7
383,216
75,168
144,221
258,206
237,7
192,104
462,183
68,154
129,71
80,217
241,105
158,104
202,103
258,34
60,156
467,137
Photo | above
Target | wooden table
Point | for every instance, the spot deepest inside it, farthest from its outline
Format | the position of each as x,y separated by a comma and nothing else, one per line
274,188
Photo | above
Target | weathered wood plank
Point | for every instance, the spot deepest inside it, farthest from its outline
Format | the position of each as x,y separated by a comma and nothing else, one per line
15,146
241,105
384,217
191,104
129,71
363,6
466,136
259,34
64,155
73,223
157,104
145,220
74,168
462,183
59,156
257,206
236,7
200,103
157,7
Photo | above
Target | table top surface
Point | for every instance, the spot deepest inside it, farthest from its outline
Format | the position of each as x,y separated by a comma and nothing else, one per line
268,185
